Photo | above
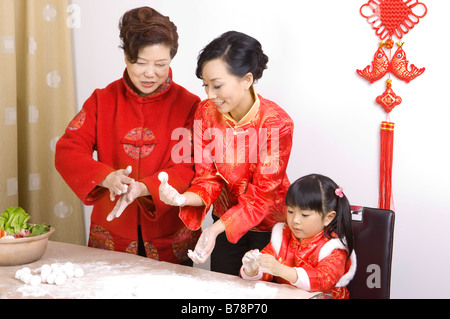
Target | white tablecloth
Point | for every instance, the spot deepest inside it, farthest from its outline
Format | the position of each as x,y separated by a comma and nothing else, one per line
109,274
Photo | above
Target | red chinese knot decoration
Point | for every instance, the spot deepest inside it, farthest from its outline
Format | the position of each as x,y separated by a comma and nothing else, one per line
393,17
389,19
388,100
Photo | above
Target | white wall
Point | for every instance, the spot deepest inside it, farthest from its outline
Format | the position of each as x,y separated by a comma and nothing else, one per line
314,49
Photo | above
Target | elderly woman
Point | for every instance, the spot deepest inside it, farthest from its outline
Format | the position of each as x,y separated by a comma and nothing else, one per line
129,124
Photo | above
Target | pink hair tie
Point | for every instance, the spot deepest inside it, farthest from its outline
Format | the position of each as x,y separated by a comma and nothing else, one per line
339,192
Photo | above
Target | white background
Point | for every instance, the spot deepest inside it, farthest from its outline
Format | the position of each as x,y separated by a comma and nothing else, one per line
314,49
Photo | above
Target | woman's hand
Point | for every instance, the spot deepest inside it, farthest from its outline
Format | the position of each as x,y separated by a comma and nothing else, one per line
206,242
170,196
117,182
135,190
167,194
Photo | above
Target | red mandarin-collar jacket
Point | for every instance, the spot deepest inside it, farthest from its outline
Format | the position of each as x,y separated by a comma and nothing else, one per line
127,129
245,182
324,260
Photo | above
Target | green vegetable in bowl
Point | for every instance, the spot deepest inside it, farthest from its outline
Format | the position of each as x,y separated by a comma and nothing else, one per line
15,220
36,230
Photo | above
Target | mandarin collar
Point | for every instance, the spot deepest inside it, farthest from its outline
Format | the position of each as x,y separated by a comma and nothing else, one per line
131,90
250,114
307,242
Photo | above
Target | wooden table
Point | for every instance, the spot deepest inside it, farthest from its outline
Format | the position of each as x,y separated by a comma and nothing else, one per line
111,275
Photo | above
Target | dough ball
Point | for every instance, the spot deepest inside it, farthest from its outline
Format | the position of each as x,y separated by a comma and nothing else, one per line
60,279
78,272
68,269
46,271
44,274
35,280
46,267
19,274
26,269
69,272
67,265
163,177
54,266
26,277
51,278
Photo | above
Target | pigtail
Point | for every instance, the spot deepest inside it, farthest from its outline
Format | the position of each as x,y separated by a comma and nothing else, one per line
344,223
335,199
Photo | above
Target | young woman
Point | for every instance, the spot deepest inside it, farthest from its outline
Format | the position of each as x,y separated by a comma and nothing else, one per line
242,144
129,123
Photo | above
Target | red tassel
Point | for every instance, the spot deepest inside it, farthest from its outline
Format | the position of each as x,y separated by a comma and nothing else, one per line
386,154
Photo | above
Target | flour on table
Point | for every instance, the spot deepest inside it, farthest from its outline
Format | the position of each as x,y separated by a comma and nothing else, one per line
109,282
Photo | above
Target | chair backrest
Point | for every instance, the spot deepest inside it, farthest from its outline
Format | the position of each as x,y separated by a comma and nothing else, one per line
373,232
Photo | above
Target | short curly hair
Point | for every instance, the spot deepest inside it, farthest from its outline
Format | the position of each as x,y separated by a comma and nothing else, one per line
145,26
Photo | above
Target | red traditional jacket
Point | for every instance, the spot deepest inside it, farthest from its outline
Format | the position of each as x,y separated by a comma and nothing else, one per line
321,262
240,167
127,129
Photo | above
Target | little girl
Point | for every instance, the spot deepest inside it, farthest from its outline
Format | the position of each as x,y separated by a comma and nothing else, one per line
312,251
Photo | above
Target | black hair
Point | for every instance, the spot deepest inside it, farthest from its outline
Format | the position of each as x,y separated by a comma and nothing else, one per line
241,52
318,193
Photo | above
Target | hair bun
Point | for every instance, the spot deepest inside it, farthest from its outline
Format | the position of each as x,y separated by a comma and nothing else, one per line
261,64
241,52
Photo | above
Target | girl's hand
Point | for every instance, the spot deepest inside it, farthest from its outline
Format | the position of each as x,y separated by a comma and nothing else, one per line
117,182
250,262
269,264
